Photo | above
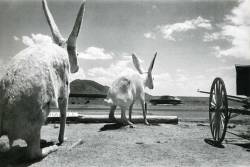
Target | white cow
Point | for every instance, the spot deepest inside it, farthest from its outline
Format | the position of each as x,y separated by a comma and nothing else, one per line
127,89
37,78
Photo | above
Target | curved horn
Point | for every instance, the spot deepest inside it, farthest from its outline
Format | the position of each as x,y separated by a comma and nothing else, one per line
152,63
137,64
74,34
57,37
71,43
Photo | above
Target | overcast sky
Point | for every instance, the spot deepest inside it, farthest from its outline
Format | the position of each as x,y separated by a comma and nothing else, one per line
196,40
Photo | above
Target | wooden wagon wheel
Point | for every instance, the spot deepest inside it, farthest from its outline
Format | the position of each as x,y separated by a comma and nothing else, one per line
218,110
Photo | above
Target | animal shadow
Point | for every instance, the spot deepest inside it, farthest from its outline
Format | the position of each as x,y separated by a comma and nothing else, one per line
244,145
113,126
154,124
239,142
214,143
242,140
16,156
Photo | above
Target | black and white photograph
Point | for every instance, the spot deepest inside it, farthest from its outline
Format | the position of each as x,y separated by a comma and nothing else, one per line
125,83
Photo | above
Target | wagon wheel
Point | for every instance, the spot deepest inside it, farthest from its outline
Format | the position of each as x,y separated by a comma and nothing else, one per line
218,110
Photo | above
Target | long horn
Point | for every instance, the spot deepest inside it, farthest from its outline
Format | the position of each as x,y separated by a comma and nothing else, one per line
57,37
74,34
71,43
137,64
152,63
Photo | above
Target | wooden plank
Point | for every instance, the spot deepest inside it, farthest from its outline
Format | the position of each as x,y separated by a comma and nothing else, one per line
68,114
104,118
88,95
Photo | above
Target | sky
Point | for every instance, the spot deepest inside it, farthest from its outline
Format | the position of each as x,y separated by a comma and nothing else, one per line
196,40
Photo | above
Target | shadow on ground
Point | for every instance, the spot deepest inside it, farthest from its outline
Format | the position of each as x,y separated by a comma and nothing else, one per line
235,141
16,156
244,145
116,126
239,142
111,127
214,143
243,140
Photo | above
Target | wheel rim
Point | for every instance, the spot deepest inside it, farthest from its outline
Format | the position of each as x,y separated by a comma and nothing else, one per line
218,110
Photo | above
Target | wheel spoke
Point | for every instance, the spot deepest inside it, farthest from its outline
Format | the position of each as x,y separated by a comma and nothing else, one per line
218,125
222,124
214,98
218,94
221,87
215,126
213,118
222,101
217,132
214,133
222,116
213,101
213,129
212,109
213,104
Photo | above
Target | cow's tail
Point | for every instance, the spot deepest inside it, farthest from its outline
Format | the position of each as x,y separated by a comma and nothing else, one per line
108,101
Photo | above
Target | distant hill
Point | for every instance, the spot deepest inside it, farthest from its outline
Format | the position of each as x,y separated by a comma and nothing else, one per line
87,87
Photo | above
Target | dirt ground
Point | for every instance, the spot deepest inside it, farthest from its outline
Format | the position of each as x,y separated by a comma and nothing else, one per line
184,144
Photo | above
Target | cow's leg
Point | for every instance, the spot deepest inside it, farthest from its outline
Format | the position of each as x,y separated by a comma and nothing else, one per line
130,112
63,106
144,111
146,108
33,145
124,118
34,151
112,113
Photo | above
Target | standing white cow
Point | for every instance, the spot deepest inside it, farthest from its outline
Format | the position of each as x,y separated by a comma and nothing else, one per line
37,78
127,89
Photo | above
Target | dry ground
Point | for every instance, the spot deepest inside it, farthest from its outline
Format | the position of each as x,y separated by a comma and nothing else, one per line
155,145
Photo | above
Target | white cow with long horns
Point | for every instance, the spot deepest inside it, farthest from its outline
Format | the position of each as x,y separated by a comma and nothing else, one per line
37,78
127,89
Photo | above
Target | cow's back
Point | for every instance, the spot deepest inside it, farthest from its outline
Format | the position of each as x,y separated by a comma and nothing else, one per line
33,78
